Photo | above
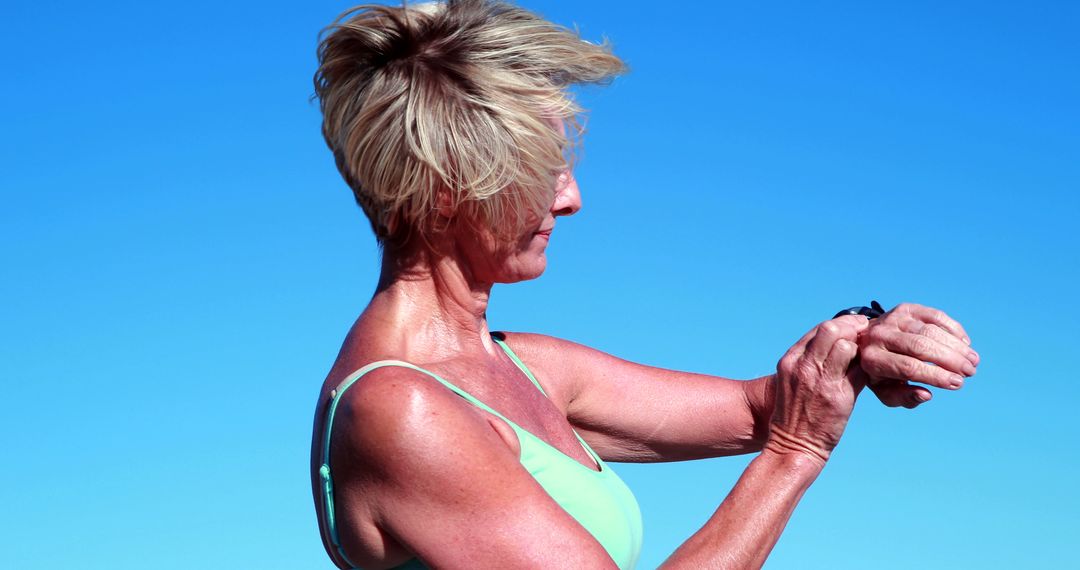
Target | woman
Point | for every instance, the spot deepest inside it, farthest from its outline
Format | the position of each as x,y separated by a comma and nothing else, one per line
439,443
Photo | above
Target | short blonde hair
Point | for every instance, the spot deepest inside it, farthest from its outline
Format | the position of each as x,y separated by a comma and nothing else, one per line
454,98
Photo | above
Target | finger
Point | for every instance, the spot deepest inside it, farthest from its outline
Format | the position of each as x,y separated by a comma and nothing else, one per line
856,375
926,349
937,317
880,363
823,342
850,328
896,393
839,358
939,334
858,323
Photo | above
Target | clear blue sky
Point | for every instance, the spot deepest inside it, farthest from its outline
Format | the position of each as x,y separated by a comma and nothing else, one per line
179,261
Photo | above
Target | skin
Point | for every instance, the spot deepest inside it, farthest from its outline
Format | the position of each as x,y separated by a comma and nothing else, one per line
419,472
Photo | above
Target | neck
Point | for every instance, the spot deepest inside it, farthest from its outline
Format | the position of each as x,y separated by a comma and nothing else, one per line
432,306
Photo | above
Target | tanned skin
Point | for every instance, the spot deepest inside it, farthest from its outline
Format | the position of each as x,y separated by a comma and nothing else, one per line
421,473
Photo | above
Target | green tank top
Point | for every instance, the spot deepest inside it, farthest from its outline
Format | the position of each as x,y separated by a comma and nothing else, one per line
598,500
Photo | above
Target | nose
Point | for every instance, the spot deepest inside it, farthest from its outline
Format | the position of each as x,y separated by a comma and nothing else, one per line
567,197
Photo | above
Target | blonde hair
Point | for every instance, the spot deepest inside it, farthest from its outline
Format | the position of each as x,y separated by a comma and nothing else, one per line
453,99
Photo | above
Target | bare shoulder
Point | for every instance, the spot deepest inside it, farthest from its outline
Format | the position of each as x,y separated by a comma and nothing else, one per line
391,432
394,416
419,461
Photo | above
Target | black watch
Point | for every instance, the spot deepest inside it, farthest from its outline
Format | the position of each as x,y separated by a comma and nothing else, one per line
872,312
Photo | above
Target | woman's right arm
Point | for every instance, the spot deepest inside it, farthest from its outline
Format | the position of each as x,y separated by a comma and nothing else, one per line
815,394
445,483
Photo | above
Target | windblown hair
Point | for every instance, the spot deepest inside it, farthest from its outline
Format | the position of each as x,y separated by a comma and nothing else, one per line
450,105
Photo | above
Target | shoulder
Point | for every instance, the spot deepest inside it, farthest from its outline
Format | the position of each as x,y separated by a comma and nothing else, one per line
396,431
567,367
543,349
541,346
392,417
423,466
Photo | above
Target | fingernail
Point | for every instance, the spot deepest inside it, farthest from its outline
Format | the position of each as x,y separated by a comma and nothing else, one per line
957,381
973,356
969,369
967,340
920,397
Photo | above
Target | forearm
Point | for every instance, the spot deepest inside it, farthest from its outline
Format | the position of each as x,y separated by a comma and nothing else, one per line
746,526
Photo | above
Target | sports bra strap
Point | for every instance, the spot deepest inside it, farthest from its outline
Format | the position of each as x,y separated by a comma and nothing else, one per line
519,363
335,399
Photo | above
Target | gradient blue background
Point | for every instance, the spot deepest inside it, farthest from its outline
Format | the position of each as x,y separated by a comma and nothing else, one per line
180,262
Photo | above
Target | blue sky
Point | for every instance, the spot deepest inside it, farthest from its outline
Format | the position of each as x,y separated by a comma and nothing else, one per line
179,261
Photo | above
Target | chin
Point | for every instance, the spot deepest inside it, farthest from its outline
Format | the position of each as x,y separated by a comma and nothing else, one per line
526,271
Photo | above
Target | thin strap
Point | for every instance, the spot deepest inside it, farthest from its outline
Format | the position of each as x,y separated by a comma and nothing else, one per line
519,364
335,398
588,450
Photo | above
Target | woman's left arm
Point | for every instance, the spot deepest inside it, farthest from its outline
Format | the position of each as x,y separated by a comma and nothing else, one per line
637,413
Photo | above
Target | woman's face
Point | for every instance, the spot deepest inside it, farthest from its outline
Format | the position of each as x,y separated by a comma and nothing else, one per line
525,258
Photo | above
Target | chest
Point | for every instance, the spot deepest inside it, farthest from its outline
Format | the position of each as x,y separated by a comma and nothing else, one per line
510,392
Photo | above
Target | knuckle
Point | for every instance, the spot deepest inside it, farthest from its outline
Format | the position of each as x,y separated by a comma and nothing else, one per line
845,329
910,325
910,368
786,366
933,331
922,346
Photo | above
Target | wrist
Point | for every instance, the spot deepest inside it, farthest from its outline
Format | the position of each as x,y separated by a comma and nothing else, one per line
760,394
796,468
794,449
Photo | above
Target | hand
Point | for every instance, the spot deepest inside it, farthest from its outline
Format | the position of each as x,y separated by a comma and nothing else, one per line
816,387
918,344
